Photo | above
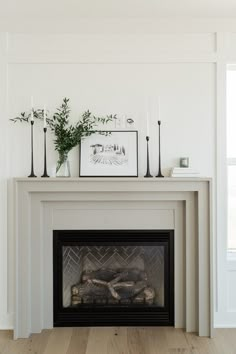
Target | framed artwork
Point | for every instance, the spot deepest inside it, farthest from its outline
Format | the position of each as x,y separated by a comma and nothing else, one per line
109,154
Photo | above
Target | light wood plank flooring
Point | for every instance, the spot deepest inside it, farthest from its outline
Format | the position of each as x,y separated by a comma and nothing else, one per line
121,340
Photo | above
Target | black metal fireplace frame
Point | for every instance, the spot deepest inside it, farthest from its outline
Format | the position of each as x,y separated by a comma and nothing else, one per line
111,315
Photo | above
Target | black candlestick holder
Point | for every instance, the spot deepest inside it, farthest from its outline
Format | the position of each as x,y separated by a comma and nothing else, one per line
148,174
32,150
159,168
45,174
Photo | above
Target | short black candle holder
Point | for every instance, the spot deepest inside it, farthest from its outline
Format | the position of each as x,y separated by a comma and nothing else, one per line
45,174
32,150
148,174
159,168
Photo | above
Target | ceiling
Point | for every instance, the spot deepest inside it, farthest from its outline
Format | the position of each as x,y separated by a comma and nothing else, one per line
24,9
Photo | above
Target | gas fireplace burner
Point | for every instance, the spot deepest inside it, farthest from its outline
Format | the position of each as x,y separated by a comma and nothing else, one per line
113,277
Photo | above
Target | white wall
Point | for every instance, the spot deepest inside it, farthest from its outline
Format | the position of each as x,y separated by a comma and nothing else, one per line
114,73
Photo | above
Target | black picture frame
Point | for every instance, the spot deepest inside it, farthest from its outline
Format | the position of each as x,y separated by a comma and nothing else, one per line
120,161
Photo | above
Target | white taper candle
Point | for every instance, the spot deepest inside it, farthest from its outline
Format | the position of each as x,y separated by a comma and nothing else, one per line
44,117
147,123
32,109
159,108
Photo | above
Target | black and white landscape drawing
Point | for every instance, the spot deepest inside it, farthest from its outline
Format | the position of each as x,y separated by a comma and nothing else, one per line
113,153
108,154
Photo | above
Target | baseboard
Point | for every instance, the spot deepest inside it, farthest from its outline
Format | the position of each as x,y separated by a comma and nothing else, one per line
225,319
7,320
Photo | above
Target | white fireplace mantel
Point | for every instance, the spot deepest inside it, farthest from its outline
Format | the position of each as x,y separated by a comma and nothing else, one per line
182,204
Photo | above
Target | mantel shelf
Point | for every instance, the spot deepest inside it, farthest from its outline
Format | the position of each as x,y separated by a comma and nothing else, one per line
113,179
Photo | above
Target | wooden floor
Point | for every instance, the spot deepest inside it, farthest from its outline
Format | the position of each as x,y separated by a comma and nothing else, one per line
120,340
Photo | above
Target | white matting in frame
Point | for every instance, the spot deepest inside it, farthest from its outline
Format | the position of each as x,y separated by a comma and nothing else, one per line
110,154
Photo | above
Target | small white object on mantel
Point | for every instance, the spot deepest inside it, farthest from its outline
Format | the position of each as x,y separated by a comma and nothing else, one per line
184,172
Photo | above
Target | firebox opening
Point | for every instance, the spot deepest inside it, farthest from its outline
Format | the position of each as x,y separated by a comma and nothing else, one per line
128,273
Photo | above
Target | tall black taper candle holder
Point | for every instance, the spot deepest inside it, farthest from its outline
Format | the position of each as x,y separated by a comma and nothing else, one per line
159,168
45,174
148,174
32,150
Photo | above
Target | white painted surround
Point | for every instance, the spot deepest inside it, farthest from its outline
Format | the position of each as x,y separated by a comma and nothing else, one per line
42,206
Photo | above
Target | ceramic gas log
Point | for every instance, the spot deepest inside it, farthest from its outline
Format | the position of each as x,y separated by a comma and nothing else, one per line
107,286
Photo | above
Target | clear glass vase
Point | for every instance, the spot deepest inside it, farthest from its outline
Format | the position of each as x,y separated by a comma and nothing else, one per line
63,166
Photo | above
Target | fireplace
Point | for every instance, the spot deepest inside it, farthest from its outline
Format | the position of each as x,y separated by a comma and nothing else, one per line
42,206
113,277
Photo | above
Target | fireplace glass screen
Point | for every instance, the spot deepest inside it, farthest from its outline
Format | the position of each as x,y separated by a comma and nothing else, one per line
107,275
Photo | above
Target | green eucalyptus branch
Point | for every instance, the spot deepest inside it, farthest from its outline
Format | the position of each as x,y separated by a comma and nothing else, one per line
67,135
25,116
